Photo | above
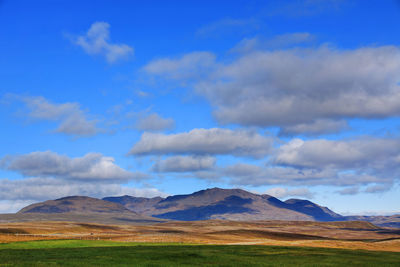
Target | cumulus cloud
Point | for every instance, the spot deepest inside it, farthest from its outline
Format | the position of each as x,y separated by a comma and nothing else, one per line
192,65
349,191
300,89
72,119
368,152
379,188
185,164
97,42
243,170
280,192
154,122
352,163
255,175
15,194
290,39
280,41
215,141
301,86
318,127
372,189
90,167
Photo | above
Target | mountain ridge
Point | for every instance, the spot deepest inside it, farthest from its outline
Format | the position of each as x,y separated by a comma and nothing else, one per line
75,204
228,204
207,204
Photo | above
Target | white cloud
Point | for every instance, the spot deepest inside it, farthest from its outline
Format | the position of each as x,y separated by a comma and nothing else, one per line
243,170
154,122
97,41
298,89
184,164
280,41
254,175
188,66
73,120
11,206
290,39
353,163
317,127
280,192
91,167
301,86
215,141
368,152
379,188
349,191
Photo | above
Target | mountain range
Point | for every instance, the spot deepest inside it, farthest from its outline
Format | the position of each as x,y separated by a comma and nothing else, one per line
214,203
209,204
226,204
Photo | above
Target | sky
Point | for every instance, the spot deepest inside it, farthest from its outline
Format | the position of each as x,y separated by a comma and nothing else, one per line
295,98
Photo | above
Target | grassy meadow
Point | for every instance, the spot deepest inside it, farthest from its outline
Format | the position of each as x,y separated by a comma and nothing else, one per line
106,253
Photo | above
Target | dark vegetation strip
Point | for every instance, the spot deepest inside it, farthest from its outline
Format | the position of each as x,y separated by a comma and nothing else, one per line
206,255
12,231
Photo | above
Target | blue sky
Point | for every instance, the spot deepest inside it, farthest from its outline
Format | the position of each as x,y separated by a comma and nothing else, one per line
291,98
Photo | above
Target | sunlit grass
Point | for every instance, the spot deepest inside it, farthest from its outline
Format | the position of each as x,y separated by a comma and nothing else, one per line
109,253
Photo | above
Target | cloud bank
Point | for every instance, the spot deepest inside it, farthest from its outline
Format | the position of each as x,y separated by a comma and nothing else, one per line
185,164
215,141
90,167
299,90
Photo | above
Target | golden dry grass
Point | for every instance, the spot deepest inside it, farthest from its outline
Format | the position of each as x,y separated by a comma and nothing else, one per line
348,235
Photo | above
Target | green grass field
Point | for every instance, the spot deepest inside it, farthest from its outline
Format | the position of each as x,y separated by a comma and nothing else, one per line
103,253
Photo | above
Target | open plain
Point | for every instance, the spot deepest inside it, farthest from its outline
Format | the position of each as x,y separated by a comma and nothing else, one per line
346,235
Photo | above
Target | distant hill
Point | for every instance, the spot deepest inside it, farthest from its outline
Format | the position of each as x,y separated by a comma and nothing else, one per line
75,204
384,221
227,204
79,209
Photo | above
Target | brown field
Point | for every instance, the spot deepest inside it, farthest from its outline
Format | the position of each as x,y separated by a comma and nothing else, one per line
349,235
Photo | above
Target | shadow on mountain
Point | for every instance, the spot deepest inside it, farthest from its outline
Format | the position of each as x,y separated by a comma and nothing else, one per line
232,204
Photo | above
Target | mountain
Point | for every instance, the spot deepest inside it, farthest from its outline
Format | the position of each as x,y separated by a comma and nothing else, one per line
214,203
226,204
318,212
137,204
75,204
79,209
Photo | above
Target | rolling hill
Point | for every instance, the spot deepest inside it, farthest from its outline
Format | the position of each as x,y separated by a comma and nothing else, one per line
75,204
79,209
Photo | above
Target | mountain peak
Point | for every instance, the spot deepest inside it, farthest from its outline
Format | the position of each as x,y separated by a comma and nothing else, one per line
231,204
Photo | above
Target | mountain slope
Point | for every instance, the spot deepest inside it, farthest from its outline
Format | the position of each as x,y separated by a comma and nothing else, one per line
137,204
79,209
75,204
228,204
318,212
